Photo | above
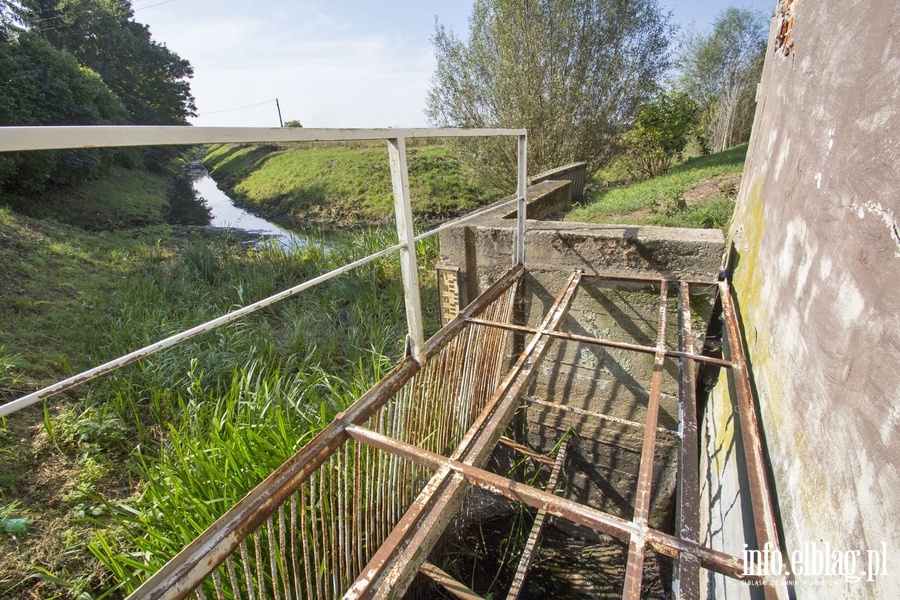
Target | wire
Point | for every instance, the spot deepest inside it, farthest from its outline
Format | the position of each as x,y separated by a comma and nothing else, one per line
89,10
233,109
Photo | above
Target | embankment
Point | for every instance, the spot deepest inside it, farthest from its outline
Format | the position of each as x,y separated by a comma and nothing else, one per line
340,185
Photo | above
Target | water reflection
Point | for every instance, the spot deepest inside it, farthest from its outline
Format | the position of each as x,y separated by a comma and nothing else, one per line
197,200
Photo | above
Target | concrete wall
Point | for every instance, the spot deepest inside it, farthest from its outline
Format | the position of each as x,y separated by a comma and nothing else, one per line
605,461
816,272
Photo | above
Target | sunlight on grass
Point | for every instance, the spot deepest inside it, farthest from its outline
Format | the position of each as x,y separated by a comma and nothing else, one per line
657,201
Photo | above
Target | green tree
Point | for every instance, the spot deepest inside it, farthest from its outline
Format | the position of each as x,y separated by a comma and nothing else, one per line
40,85
660,134
574,72
150,79
719,69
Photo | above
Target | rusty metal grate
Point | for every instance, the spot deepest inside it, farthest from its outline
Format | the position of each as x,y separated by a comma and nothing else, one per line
358,510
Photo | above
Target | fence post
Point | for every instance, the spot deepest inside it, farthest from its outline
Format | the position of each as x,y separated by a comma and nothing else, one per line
415,340
519,237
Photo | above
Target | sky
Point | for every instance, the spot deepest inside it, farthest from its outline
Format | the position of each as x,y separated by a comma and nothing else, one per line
337,63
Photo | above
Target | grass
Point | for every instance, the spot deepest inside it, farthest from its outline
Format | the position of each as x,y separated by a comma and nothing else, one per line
667,200
117,475
122,198
342,185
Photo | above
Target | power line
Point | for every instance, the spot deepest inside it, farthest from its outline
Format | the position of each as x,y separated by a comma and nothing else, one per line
76,14
214,112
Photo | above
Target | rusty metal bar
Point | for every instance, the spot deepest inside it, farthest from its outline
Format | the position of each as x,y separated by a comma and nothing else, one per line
587,413
408,264
635,568
170,341
665,544
528,553
655,280
527,451
446,581
522,210
603,342
687,504
177,578
392,567
760,496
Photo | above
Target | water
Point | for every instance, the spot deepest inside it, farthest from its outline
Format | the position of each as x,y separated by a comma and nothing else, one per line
224,214
197,200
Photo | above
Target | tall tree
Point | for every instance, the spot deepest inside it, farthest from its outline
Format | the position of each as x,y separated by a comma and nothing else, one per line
151,80
572,71
719,69
40,85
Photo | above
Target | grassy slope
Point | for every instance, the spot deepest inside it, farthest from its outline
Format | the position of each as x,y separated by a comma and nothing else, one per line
55,291
341,185
70,298
660,201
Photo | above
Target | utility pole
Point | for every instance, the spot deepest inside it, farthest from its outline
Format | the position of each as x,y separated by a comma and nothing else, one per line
280,122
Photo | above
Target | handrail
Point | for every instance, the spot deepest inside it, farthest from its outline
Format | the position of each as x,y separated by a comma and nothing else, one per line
30,138
108,136
107,367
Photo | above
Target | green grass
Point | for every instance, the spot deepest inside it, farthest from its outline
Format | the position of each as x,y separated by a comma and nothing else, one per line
659,201
122,198
111,469
342,185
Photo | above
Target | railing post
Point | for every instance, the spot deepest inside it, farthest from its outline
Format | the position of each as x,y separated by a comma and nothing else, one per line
519,237
409,268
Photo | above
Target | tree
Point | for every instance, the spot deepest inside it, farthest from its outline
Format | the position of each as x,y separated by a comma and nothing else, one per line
44,86
150,79
573,72
660,134
719,70
292,123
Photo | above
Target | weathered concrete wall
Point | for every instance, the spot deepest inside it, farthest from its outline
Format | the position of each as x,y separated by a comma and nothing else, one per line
816,272
596,380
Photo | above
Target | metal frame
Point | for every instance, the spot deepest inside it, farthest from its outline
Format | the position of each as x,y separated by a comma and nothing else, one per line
402,555
389,573
66,137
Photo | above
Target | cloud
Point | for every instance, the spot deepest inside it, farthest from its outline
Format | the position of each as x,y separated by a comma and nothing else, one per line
323,72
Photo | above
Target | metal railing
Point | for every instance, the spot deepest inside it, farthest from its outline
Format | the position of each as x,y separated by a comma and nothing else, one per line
13,139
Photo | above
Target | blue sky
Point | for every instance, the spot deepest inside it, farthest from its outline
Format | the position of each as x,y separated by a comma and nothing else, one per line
338,63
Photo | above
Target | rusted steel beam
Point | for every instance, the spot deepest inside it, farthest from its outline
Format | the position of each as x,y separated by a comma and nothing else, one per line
531,544
587,413
570,510
390,571
527,451
603,342
177,578
760,495
655,280
687,504
446,581
635,567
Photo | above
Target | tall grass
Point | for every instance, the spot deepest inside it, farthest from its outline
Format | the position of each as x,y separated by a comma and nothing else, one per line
201,424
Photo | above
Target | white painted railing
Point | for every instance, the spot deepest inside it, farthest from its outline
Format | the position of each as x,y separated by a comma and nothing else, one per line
14,139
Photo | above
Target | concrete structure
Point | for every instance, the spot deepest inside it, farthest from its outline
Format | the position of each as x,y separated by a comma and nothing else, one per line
591,379
816,272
